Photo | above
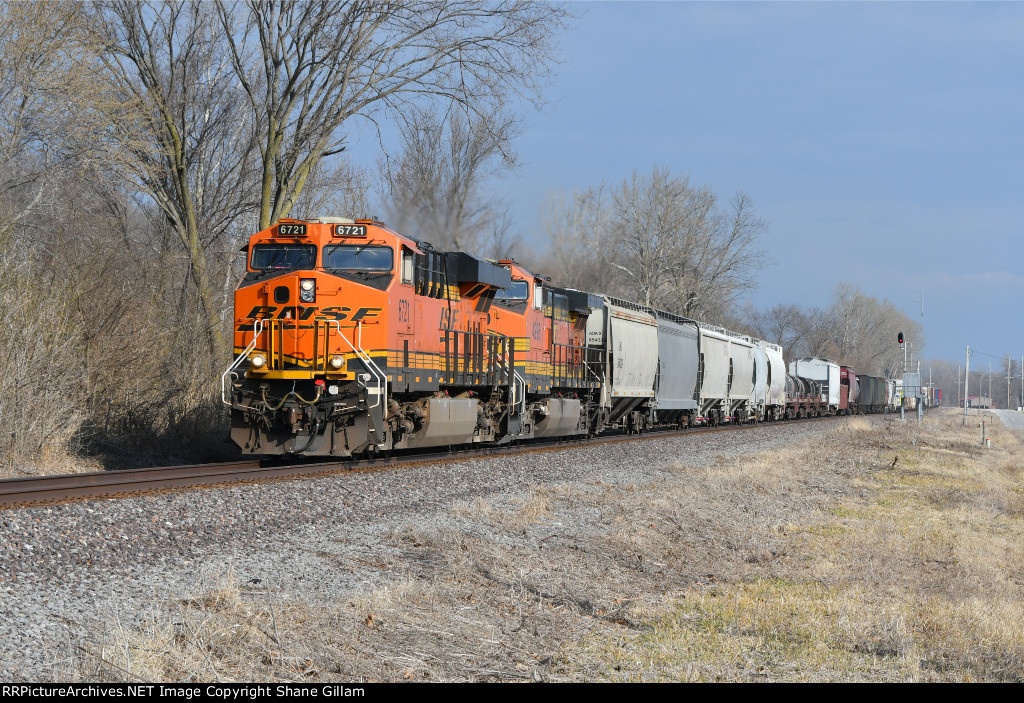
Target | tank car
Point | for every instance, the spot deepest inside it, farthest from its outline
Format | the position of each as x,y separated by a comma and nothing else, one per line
803,398
775,382
825,373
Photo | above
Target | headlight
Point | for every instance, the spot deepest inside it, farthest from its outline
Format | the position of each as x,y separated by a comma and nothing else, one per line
257,361
337,362
307,290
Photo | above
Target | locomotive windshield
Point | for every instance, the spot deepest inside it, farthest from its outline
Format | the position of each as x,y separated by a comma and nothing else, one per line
519,291
354,257
269,257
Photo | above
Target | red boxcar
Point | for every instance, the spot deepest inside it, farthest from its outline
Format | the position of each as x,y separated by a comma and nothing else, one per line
847,384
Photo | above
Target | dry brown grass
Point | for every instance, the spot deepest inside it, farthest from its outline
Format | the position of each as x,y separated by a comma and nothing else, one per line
820,561
226,631
917,577
49,463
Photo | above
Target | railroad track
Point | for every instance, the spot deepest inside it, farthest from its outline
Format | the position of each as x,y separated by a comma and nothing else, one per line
43,490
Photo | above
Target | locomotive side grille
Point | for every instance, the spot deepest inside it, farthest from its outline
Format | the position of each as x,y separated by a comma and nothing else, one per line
473,358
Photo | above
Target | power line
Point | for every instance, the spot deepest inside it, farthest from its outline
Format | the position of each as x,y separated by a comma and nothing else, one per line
992,356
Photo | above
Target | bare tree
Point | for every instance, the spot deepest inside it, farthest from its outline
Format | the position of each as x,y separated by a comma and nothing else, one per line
339,188
662,242
501,239
40,401
866,330
856,330
188,143
307,67
51,103
779,324
817,333
723,256
653,216
577,232
436,187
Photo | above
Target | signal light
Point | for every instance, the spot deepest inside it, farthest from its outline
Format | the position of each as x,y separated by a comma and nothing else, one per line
901,338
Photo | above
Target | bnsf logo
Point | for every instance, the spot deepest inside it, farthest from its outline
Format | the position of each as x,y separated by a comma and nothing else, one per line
300,312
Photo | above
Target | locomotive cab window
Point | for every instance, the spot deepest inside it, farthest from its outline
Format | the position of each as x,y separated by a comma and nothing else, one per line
350,257
520,290
408,265
270,257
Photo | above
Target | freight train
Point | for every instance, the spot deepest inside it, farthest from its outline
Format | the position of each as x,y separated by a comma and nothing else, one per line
352,339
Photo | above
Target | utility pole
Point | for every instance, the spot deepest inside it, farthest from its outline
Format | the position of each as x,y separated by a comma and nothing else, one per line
922,311
967,381
958,384
1007,381
990,382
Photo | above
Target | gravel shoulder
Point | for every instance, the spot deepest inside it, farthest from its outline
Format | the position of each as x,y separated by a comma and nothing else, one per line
1012,419
68,571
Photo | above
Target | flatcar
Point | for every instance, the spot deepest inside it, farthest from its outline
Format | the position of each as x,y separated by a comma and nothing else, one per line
827,375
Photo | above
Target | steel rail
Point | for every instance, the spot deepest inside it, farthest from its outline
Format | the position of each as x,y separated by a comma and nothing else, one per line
43,490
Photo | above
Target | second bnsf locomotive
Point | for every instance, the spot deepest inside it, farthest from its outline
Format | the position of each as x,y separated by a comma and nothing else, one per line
352,339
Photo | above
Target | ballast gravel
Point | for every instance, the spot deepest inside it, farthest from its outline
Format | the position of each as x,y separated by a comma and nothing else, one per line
69,570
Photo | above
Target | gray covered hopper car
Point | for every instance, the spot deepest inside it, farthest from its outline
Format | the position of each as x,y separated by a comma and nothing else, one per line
675,397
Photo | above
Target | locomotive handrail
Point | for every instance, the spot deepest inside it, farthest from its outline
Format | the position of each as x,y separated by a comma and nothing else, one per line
357,347
257,327
516,378
382,379
586,364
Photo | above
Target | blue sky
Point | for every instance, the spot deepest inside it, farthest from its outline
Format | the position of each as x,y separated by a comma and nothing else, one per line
887,136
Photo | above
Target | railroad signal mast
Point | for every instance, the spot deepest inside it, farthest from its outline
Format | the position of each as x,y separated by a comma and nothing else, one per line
911,383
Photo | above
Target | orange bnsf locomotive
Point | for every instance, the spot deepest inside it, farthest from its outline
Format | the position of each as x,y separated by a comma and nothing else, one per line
352,339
